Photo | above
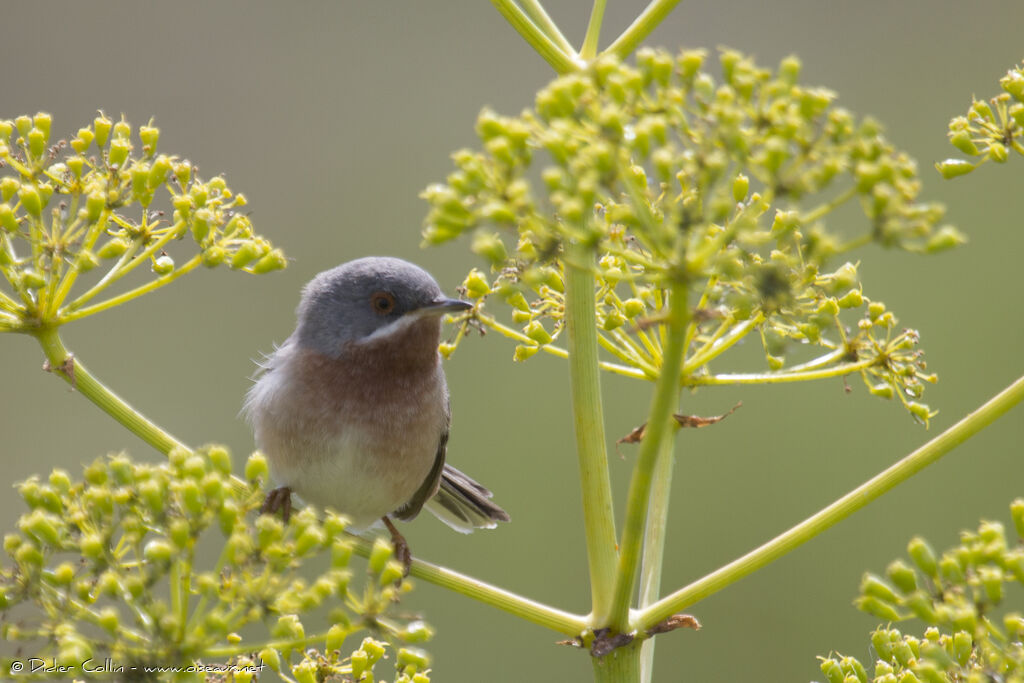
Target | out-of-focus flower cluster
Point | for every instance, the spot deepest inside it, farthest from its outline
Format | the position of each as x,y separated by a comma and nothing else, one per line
110,568
657,173
990,130
94,204
958,595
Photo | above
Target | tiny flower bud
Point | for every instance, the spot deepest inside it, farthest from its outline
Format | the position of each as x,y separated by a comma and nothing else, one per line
113,248
923,556
246,253
288,626
1017,512
158,551
213,256
417,632
163,265
962,646
91,546
7,219
32,279
271,261
36,143
962,141
740,187
158,172
393,571
902,576
997,152
874,586
94,205
516,299
311,538
271,658
535,331
413,657
522,352
359,661
878,608
8,186
1014,623
951,168
119,150
379,555
23,124
490,247
476,285
30,200
374,650
992,582
149,136
852,299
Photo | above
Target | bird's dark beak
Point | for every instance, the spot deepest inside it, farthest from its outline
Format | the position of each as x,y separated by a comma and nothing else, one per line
440,306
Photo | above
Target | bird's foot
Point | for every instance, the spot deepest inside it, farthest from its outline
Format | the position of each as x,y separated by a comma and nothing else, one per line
402,553
278,499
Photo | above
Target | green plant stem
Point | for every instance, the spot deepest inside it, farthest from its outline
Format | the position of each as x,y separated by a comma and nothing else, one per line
913,463
540,17
186,268
507,601
588,419
621,665
590,41
654,545
710,351
780,377
560,61
641,27
556,351
659,428
82,380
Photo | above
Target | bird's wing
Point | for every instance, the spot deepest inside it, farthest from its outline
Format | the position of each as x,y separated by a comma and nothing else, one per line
453,497
430,485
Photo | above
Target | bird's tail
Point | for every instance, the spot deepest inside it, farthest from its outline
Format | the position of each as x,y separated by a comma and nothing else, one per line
463,504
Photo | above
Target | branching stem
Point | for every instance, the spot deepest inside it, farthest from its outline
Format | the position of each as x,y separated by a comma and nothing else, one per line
659,427
837,511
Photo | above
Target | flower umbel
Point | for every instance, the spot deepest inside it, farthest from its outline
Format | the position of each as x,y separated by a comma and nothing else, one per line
113,569
95,204
665,175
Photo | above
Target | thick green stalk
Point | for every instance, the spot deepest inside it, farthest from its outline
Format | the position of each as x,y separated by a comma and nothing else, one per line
659,427
589,49
507,601
621,665
560,61
654,545
82,380
837,511
642,27
588,418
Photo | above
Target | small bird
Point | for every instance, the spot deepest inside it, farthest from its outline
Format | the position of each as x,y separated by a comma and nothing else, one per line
352,410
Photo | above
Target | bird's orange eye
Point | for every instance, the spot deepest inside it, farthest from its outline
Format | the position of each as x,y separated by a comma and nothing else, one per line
382,302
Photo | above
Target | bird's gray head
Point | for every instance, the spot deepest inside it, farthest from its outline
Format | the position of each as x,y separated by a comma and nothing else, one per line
366,299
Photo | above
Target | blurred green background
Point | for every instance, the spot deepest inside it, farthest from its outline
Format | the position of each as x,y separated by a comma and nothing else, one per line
331,117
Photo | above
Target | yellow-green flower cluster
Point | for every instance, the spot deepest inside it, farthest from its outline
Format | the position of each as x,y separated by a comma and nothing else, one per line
113,568
106,202
991,129
657,173
958,595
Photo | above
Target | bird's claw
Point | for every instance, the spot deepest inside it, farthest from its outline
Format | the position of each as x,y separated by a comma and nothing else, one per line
401,547
278,499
